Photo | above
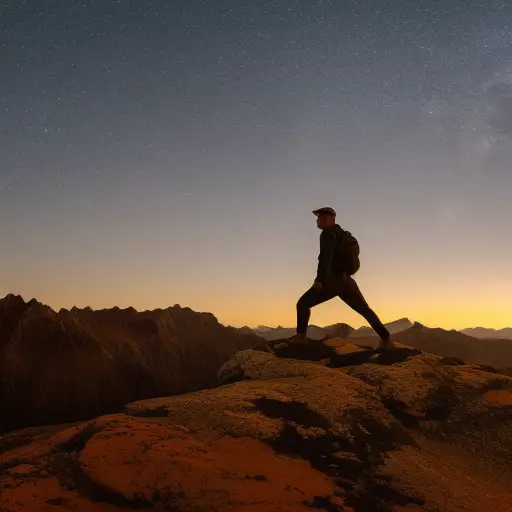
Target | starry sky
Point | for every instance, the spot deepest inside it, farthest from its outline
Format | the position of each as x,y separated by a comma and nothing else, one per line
163,152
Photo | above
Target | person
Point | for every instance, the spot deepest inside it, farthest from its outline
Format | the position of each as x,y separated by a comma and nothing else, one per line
332,280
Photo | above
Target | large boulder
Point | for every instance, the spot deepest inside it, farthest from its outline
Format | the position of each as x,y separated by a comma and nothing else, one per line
258,365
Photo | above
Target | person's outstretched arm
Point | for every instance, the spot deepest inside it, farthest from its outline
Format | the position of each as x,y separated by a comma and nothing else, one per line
327,246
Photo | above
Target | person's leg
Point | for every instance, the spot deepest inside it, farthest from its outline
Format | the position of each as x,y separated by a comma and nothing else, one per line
350,293
310,299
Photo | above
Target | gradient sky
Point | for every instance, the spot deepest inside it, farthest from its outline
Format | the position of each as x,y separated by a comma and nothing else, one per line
163,152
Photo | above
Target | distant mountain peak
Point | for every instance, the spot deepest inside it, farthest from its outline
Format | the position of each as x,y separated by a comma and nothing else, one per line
393,327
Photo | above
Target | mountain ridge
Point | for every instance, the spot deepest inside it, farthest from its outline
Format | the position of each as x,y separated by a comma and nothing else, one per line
57,365
487,332
393,326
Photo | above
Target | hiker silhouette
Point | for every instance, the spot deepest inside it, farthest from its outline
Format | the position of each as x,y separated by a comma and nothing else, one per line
338,261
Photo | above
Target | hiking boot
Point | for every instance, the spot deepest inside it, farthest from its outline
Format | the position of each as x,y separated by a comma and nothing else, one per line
384,345
298,339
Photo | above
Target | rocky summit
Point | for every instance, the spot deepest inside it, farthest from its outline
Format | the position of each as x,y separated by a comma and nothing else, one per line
327,427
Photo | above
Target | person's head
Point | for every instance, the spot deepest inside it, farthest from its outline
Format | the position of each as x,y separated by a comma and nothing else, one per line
325,217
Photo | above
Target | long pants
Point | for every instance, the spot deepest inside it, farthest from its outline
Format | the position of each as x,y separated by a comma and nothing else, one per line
344,287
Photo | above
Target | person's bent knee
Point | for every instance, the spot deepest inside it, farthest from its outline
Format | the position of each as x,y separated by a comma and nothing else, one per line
302,305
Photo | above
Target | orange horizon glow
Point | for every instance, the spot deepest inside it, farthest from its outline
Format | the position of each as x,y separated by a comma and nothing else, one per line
456,312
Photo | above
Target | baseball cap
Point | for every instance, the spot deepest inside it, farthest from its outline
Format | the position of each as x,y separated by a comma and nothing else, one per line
325,209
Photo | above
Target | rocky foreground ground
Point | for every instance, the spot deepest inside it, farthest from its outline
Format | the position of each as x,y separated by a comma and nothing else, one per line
288,430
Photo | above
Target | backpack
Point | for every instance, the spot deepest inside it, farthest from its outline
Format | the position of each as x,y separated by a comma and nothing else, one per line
349,253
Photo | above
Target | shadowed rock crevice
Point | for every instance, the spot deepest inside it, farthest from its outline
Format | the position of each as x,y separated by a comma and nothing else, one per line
231,375
408,417
320,451
77,442
291,411
442,400
354,464
498,383
326,504
367,355
451,361
154,412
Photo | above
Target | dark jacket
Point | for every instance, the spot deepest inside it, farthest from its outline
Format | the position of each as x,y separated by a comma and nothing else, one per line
329,261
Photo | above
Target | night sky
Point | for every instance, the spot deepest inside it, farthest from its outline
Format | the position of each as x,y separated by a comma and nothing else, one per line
154,153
